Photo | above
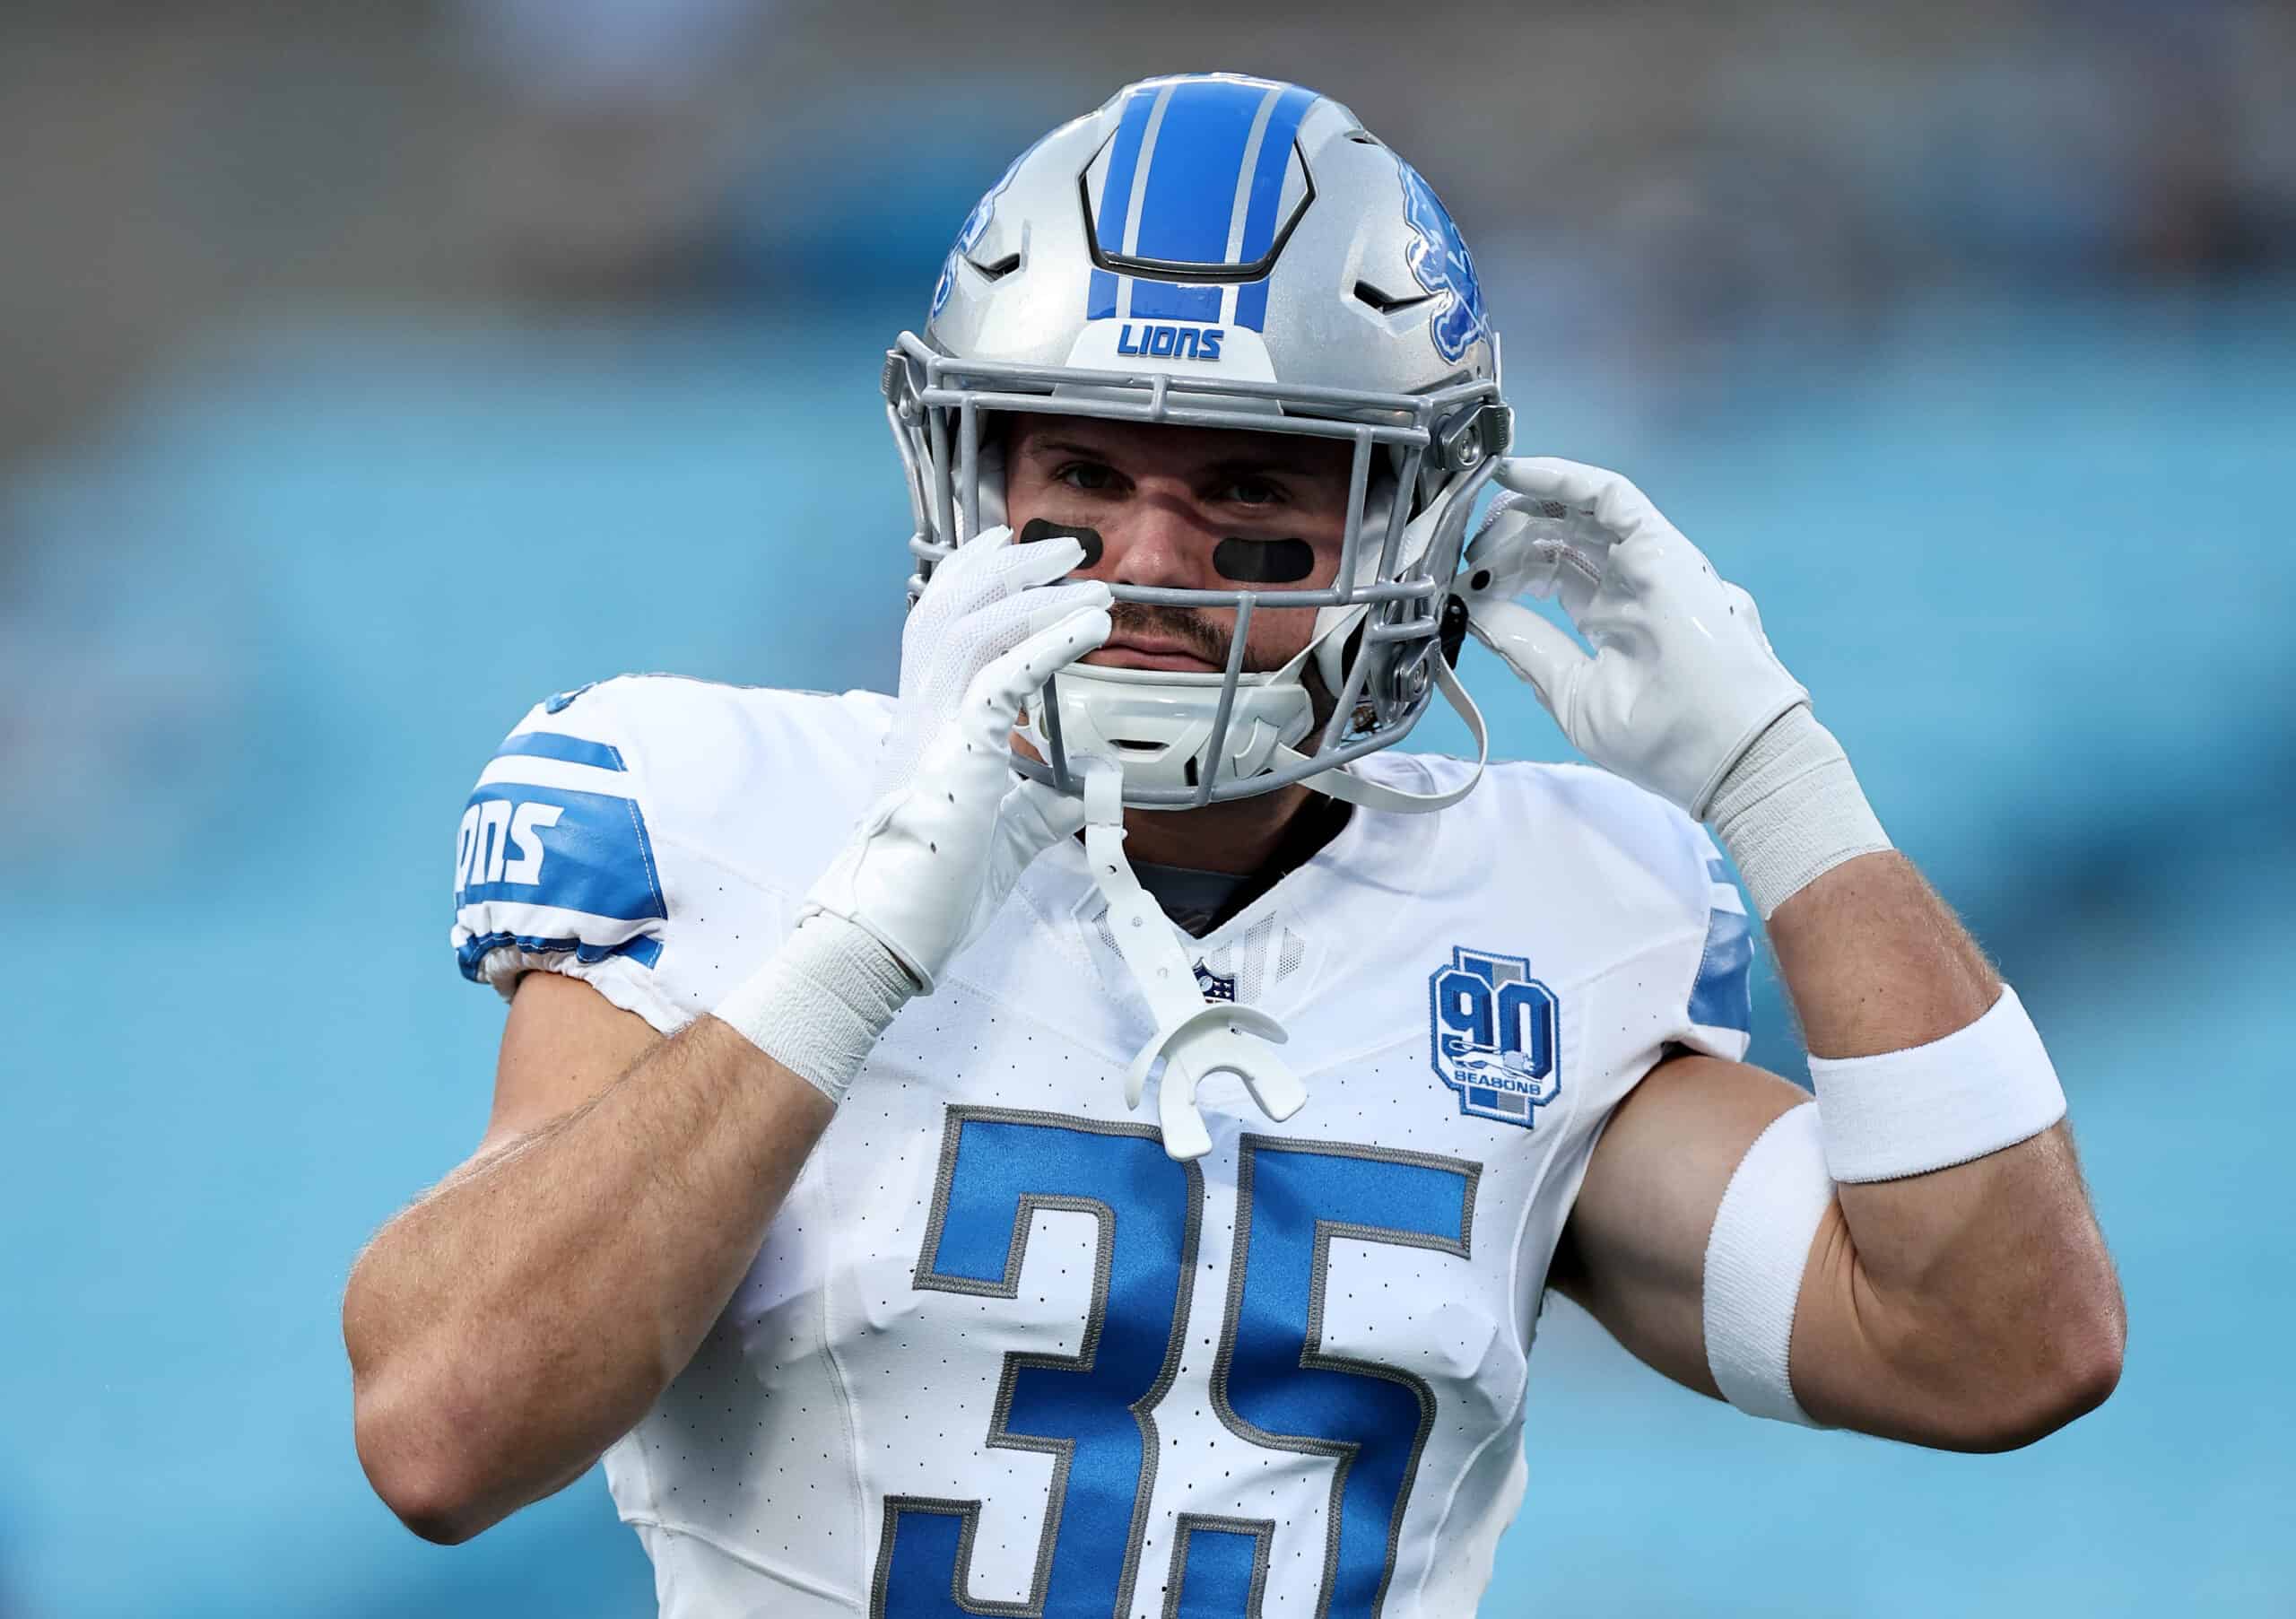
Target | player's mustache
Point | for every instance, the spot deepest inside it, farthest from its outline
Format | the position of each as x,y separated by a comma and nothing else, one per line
1201,637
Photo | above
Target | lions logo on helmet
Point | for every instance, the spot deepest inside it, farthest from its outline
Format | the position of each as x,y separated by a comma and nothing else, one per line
970,232
1441,263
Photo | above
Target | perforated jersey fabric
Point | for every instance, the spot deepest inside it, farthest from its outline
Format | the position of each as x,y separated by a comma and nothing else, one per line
996,1343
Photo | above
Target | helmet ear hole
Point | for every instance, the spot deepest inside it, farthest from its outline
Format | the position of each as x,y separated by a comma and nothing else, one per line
1386,303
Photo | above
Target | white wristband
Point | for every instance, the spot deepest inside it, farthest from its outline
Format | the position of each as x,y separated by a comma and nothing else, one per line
1977,1090
1790,810
1756,1258
820,1002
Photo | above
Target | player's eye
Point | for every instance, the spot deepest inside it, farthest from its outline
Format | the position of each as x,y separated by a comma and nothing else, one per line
1091,476
1254,492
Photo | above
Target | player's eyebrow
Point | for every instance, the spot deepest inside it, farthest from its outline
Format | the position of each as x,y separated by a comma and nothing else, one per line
1271,460
1237,466
1070,447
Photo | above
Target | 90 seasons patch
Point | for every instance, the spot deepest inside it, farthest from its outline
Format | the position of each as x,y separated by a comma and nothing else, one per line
1491,1035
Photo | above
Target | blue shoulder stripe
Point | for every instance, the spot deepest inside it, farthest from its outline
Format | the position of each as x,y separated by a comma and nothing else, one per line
1722,996
529,845
558,744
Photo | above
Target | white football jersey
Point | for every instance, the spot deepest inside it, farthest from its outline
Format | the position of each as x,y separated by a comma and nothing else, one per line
999,1353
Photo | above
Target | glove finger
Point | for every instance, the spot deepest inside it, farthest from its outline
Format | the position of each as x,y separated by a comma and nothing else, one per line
1041,815
987,542
989,568
1613,500
1038,562
1657,557
993,701
962,580
1576,577
1524,548
1049,604
1509,555
1540,652
1741,606
1616,620
945,651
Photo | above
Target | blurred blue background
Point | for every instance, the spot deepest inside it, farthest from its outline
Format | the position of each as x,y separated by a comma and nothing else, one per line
365,374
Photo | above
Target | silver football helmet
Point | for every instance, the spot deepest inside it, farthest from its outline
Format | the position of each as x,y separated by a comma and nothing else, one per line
1214,250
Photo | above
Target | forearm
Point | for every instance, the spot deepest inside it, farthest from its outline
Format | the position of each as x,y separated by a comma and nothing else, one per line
1985,1285
512,1324
1874,961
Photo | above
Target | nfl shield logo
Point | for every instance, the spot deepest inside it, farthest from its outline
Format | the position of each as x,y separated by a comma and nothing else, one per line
1491,1035
1215,986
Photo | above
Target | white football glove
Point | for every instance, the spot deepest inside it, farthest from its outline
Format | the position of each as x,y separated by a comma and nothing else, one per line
953,825
1682,694
1682,679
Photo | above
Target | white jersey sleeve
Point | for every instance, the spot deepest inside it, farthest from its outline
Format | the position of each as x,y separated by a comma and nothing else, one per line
615,835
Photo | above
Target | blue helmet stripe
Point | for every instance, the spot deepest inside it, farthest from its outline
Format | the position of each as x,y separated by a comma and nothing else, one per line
1174,301
1251,305
1124,163
1267,192
1195,176
1116,198
1192,176
1267,173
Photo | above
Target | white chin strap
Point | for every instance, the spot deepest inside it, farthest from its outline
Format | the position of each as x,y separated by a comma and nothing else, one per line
1340,782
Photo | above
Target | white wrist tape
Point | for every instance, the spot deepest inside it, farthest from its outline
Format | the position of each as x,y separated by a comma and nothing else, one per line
1790,810
1979,1090
1755,1257
820,1002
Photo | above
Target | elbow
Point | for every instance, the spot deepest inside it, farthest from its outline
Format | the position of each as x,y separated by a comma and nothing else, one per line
428,1485
2076,1369
417,1457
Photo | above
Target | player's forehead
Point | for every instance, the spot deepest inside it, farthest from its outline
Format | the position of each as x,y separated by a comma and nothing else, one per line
1157,446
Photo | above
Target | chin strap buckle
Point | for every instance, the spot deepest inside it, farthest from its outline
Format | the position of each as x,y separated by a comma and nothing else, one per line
1195,1038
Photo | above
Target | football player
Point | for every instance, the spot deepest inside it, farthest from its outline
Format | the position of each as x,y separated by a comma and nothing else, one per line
823,1195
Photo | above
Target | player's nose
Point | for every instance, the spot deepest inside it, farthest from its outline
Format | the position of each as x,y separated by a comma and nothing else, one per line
1161,543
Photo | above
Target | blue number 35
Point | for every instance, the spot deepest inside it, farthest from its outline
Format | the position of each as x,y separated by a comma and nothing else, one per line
1094,1412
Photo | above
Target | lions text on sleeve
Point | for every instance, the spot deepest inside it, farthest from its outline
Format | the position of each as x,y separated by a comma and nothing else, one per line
999,1353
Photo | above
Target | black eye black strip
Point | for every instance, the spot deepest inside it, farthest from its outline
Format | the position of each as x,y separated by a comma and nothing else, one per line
1044,529
1264,561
